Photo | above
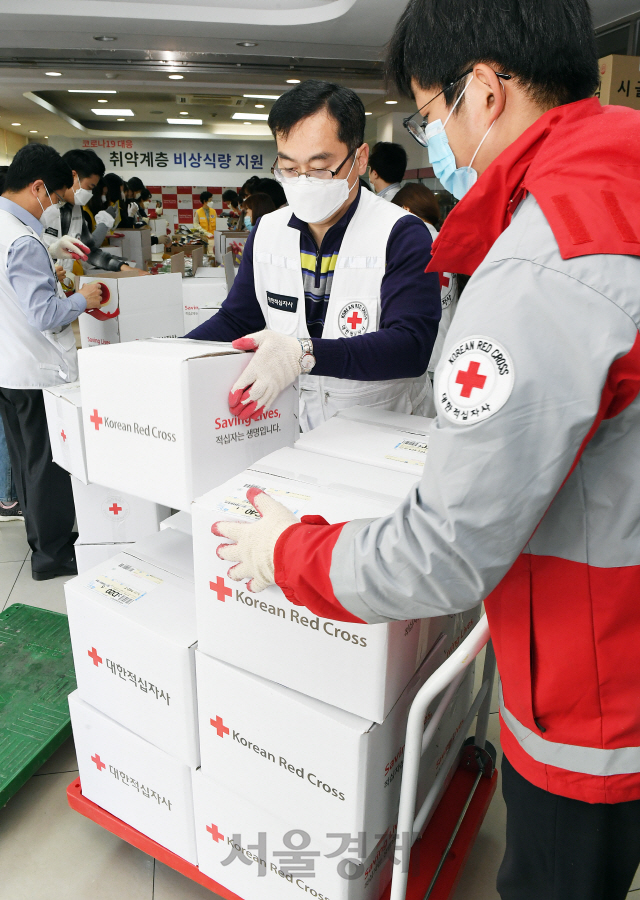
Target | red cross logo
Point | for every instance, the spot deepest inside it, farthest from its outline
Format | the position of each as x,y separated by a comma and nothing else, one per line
354,320
115,509
63,435
96,419
470,379
220,588
99,764
215,834
445,281
219,726
94,656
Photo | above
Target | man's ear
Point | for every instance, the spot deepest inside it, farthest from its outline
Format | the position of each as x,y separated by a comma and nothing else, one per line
493,89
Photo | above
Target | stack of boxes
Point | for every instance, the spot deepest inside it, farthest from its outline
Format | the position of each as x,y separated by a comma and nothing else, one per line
270,753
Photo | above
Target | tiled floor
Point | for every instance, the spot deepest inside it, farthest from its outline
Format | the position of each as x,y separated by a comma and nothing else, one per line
49,852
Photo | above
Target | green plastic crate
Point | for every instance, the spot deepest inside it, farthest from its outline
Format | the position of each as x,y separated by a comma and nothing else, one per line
36,677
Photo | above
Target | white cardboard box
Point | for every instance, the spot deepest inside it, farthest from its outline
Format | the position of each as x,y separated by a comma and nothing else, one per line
105,515
133,635
180,520
135,243
162,406
261,855
63,406
90,555
360,668
137,307
312,762
373,436
202,297
133,780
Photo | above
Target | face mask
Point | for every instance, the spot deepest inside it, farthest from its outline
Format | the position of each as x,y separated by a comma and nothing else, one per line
455,180
81,195
315,200
211,204
50,200
247,223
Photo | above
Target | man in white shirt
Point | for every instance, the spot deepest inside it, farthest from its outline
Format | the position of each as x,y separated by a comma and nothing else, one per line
38,351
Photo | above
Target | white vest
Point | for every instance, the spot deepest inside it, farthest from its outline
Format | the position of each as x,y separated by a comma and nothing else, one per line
449,296
30,359
353,309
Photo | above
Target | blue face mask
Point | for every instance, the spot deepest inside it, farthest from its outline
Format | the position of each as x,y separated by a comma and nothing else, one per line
456,180
247,223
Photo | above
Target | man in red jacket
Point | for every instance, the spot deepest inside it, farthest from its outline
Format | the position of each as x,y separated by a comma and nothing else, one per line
530,498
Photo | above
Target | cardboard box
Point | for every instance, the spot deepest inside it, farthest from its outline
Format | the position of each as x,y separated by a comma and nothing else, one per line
360,668
202,297
620,81
312,762
174,430
133,635
136,308
90,555
180,520
135,243
63,406
133,780
373,436
108,516
261,855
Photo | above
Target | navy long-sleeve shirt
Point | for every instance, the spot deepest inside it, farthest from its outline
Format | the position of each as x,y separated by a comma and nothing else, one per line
409,313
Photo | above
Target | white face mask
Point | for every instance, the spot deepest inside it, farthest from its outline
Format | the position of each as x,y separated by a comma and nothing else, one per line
81,195
315,200
211,204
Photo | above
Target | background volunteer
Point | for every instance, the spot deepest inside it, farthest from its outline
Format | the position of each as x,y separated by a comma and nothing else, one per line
39,350
387,165
530,494
206,216
364,331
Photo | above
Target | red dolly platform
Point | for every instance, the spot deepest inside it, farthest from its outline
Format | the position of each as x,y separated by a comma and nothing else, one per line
425,856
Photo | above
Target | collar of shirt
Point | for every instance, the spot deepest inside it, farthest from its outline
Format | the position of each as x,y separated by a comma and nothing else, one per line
335,234
390,187
20,213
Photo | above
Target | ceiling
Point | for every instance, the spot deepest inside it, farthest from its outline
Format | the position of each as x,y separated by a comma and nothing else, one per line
339,40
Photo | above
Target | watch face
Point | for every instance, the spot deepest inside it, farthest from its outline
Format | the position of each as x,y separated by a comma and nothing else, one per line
307,362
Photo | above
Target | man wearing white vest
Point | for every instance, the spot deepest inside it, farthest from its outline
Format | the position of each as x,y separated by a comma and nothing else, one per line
331,288
39,350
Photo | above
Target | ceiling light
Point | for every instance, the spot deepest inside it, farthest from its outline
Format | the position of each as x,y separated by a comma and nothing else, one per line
246,44
259,105
33,132
47,137
53,74
113,112
119,120
293,81
184,121
103,101
368,114
184,113
104,37
17,124
83,91
391,102
260,117
175,77
262,96
246,123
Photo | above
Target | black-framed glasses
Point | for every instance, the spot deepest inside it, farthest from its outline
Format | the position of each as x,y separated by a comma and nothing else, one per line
417,122
290,175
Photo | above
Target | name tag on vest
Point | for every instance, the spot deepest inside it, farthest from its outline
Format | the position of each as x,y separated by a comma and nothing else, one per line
52,231
282,302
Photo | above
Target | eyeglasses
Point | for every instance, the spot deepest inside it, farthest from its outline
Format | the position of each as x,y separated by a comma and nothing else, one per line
416,123
290,175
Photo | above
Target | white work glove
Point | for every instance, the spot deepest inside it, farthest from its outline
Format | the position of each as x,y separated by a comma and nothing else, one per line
69,248
103,218
255,542
132,209
276,365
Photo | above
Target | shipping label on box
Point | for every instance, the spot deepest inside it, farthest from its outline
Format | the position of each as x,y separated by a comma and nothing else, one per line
163,407
134,308
373,437
63,406
310,761
260,854
133,635
357,667
108,516
133,780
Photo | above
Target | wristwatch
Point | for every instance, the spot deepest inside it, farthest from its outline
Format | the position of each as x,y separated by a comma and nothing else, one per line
307,360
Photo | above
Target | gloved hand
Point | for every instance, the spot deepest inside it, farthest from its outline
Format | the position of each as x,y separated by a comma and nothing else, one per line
275,365
68,247
103,218
255,542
